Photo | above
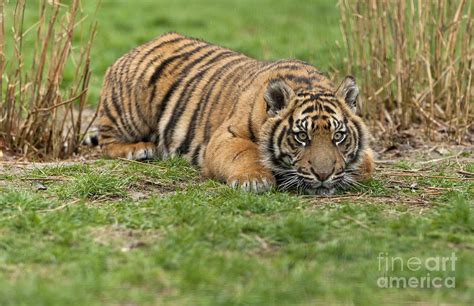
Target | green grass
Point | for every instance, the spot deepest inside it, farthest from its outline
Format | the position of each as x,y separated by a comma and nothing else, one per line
87,240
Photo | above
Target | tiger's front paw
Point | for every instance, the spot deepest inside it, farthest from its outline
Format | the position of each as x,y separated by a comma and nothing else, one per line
254,181
366,167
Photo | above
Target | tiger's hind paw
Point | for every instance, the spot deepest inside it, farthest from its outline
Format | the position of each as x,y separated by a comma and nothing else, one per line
141,154
132,151
252,182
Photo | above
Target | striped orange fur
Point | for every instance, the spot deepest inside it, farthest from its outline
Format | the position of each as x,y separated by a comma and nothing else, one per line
252,124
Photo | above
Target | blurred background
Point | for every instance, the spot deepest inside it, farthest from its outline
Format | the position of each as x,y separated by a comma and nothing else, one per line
266,30
412,59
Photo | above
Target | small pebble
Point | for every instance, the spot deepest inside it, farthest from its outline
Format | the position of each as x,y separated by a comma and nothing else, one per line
40,186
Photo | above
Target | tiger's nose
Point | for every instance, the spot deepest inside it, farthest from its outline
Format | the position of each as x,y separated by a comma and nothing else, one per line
322,176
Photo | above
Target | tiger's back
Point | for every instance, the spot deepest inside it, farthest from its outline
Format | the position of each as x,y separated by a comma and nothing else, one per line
179,96
165,91
174,92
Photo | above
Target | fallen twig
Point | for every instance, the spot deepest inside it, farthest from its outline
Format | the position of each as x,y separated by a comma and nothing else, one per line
49,178
357,222
441,159
417,175
141,163
343,196
60,206
466,174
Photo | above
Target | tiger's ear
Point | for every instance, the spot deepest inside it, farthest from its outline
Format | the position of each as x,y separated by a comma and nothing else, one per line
277,95
349,91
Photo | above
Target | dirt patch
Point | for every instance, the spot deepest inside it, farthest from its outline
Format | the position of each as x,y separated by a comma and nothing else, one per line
124,239
145,187
413,185
414,145
415,201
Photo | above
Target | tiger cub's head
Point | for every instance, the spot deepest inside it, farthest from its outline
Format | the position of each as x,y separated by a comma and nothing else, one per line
313,139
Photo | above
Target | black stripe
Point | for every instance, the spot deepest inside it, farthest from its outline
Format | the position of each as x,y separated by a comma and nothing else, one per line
229,77
130,93
190,53
171,59
290,121
308,110
309,81
349,141
195,156
251,77
124,126
250,124
106,128
322,95
252,136
225,84
174,86
297,79
229,129
280,137
164,101
133,91
123,94
150,103
321,104
152,50
240,152
329,109
205,93
278,65
357,139
318,99
215,78
333,118
270,143
187,91
105,108
184,46
291,143
152,61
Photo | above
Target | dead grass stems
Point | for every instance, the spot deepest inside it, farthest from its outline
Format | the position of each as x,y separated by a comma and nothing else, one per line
41,109
414,61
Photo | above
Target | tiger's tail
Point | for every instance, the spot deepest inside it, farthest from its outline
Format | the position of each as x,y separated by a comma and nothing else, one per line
91,138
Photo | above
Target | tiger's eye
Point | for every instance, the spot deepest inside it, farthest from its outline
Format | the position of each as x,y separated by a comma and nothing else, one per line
338,136
301,136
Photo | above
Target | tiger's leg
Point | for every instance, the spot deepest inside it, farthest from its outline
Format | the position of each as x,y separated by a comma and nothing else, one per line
133,151
115,144
236,161
366,166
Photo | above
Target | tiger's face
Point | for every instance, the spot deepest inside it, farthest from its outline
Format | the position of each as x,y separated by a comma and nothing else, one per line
313,140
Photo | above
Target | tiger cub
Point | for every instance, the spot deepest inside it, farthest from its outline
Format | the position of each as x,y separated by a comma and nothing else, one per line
252,124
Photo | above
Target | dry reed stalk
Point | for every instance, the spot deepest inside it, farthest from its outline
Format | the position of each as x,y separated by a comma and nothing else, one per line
2,56
40,113
414,60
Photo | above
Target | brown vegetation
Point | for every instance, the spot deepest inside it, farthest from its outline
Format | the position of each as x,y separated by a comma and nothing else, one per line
414,61
40,112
